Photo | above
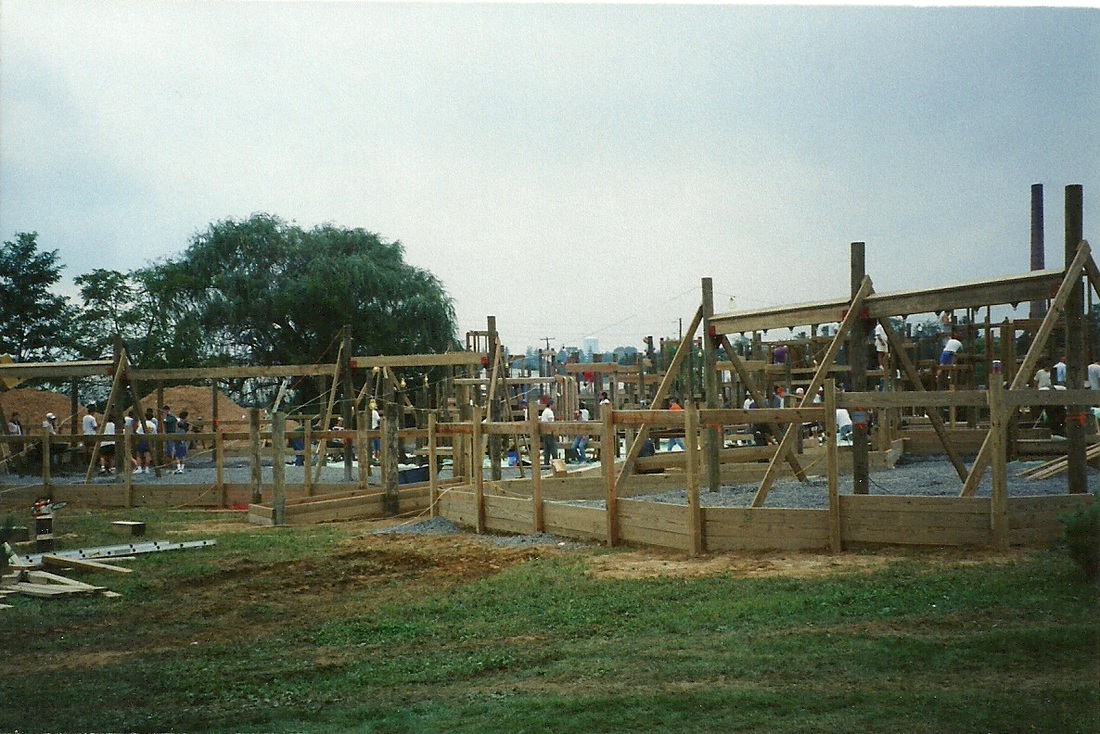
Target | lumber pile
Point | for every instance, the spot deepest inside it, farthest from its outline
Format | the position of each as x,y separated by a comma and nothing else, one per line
1057,466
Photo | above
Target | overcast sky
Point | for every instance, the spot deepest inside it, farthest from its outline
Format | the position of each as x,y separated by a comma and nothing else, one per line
574,170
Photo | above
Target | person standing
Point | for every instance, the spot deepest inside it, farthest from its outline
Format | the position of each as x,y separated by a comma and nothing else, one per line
1094,375
180,447
549,440
1060,372
882,349
674,407
89,425
580,442
107,446
170,422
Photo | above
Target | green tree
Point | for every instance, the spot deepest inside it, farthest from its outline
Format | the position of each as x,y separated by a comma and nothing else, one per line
263,291
34,323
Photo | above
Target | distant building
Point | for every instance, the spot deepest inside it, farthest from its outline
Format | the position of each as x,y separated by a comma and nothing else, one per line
591,345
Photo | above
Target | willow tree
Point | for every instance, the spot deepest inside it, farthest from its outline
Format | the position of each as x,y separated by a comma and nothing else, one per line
266,292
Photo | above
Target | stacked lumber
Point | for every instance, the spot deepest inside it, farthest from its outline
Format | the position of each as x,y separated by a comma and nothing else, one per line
1057,466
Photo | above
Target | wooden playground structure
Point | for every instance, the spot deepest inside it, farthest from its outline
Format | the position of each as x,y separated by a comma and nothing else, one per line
482,411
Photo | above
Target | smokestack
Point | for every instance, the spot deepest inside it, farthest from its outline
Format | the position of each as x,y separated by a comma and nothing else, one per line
1038,308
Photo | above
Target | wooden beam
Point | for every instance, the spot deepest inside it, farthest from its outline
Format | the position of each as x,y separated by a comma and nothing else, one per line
742,369
28,370
1036,285
662,393
907,366
448,359
787,443
1034,352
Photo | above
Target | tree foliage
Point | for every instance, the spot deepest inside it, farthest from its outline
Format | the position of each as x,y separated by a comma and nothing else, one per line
263,291
34,323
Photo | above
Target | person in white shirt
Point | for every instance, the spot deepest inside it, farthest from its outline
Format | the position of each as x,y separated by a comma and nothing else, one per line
843,425
1094,375
89,426
549,440
107,447
580,443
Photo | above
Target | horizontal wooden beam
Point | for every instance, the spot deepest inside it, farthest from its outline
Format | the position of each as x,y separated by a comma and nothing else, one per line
448,359
233,372
29,370
1034,286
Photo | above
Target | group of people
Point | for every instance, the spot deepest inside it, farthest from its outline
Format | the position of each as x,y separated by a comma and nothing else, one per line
578,450
141,457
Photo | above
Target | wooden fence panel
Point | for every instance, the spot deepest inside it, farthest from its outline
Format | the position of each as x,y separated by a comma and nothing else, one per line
654,523
743,528
953,521
572,521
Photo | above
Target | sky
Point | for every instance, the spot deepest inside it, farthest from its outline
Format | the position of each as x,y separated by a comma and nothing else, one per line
574,170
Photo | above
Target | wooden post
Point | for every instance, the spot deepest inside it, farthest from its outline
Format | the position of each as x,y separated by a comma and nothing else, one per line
278,467
831,469
127,462
46,451
691,458
159,451
362,449
391,421
254,454
998,419
1008,372
1077,472
307,455
477,454
219,467
536,473
711,435
348,403
433,469
607,462
494,407
857,359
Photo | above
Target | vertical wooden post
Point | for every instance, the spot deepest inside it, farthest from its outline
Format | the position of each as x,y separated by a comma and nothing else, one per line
711,436
607,462
998,420
831,469
1077,472
219,468
362,447
347,405
433,468
536,473
691,458
391,421
46,451
254,454
857,359
214,405
307,455
1008,372
495,392
159,451
278,468
127,462
477,454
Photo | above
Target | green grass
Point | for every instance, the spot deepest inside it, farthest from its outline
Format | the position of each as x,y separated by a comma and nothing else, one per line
256,635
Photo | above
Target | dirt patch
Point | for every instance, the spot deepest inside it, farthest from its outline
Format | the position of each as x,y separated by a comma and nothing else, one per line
641,564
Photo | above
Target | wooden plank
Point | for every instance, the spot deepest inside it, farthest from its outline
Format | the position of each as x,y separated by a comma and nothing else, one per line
447,359
31,370
82,564
572,521
1035,285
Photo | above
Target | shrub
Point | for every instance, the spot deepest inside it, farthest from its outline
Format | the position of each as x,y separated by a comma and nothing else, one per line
1083,539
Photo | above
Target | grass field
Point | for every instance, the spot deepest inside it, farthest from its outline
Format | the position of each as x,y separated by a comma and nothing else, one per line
334,628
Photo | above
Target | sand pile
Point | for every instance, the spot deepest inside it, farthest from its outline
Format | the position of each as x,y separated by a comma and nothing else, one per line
32,406
199,406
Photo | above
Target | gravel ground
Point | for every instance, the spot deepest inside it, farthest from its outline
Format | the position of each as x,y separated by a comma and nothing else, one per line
924,476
